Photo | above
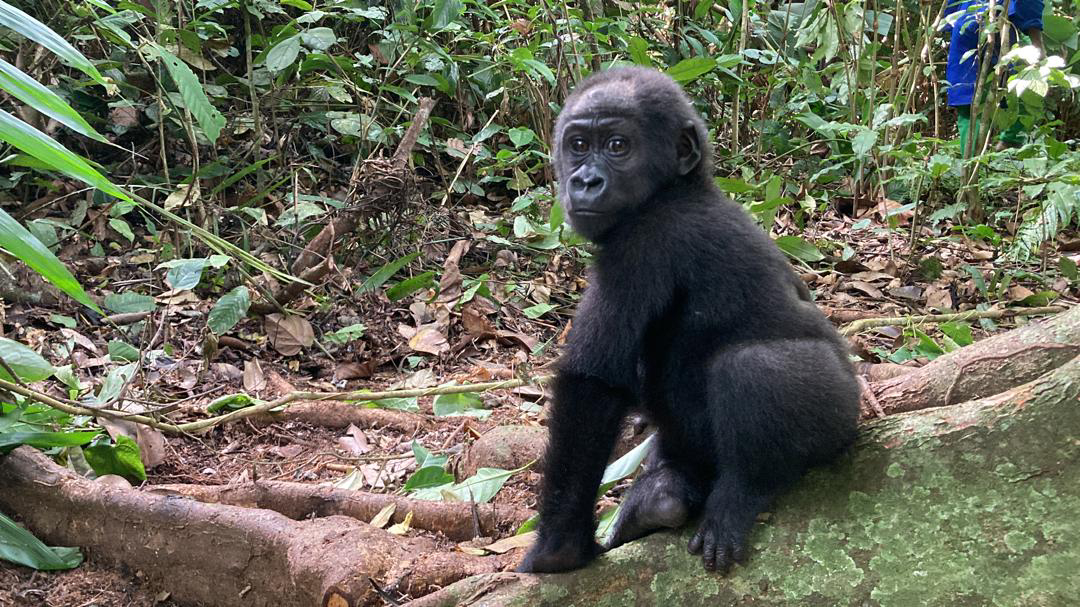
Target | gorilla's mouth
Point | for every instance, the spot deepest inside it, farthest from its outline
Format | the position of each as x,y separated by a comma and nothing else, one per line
587,213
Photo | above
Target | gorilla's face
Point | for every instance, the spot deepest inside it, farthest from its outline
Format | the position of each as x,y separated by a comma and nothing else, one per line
610,162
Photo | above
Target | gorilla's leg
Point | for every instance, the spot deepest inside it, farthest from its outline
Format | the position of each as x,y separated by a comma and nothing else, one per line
662,497
776,407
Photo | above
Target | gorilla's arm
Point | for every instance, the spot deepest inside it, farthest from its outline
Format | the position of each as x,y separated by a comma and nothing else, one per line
597,383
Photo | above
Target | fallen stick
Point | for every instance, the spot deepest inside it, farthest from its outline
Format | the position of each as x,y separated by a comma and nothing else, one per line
923,319
456,520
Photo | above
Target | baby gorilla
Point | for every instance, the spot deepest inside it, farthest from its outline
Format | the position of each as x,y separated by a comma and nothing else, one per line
694,315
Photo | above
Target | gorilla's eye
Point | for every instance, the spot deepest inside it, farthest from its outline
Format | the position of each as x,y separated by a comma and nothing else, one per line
617,146
579,145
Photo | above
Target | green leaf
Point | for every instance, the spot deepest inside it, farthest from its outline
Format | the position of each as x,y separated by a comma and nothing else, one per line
690,69
345,335
862,143
1058,29
479,488
123,228
959,332
464,403
446,12
121,458
425,458
228,311
422,79
27,364
318,38
398,404
191,91
521,135
1068,268
186,273
47,150
384,273
625,465
232,402
19,546
37,96
283,54
114,383
428,476
409,286
639,50
121,351
35,30
733,186
46,440
538,310
125,303
799,248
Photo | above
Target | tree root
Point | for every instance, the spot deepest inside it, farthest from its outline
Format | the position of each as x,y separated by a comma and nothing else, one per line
459,521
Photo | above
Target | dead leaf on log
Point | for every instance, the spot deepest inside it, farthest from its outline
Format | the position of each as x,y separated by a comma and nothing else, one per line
288,334
514,541
383,517
476,323
450,282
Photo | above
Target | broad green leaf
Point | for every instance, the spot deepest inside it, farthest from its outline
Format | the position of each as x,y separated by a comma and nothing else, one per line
428,476
46,440
27,364
446,12
409,286
538,310
121,351
398,404
37,96
35,30
521,135
639,50
345,334
191,90
422,79
1058,29
464,403
479,488
690,69
114,383
625,465
19,242
862,143
124,303
733,186
228,311
606,524
959,332
318,38
19,546
799,248
186,273
384,273
425,458
47,150
232,402
120,458
283,54
122,228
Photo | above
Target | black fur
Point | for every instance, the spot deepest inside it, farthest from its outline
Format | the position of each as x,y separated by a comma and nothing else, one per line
692,314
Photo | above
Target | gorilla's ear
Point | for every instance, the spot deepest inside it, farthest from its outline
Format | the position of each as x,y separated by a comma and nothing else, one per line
687,149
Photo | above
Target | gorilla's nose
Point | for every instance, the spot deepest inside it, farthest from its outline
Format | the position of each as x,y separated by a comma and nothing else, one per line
587,183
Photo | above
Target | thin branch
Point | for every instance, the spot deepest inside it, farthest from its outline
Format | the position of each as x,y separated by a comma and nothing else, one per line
870,323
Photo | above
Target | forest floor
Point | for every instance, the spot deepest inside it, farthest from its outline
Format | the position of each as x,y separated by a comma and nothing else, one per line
881,278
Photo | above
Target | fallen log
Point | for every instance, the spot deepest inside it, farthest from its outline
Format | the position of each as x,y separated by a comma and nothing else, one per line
458,521
984,368
333,414
217,555
974,504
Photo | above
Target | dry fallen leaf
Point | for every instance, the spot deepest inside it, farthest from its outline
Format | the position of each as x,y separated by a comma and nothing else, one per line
355,442
254,379
403,527
514,541
383,517
288,334
429,340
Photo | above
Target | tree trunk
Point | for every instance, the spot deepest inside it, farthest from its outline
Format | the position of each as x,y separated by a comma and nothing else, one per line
973,504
